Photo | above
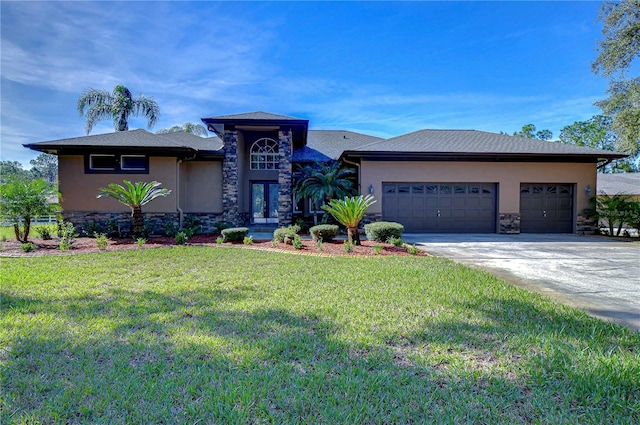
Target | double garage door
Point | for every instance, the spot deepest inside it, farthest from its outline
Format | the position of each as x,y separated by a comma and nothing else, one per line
441,207
472,207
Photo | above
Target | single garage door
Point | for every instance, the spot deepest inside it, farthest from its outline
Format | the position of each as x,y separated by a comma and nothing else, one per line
546,208
441,207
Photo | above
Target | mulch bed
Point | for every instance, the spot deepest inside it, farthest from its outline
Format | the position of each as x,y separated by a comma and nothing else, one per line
11,248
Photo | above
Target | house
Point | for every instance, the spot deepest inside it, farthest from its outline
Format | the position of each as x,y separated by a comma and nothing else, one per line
428,180
620,183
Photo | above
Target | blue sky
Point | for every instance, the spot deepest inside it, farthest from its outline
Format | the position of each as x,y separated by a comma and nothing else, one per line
380,68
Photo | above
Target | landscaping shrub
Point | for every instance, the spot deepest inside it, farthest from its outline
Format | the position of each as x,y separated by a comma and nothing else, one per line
219,240
234,234
28,247
191,226
326,232
181,238
44,232
281,232
91,228
141,242
248,240
68,235
395,241
220,226
101,241
297,242
170,229
381,231
411,249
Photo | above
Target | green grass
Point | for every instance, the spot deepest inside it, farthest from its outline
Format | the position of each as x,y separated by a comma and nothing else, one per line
7,232
221,335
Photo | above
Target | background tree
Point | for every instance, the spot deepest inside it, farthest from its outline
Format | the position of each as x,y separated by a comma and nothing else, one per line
322,182
135,196
117,106
45,166
596,133
616,55
24,200
12,170
188,127
529,131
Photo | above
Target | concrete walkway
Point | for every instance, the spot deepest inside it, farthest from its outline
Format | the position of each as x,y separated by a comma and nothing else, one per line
593,273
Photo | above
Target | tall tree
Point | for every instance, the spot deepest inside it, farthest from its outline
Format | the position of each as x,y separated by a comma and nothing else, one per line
135,196
616,55
321,182
529,131
188,127
12,170
596,133
45,166
118,106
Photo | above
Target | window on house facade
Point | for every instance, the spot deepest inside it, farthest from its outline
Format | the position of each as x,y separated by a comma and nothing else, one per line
264,155
100,163
133,162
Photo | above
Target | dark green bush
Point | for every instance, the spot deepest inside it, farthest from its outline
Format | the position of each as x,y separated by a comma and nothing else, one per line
326,232
221,226
234,234
281,232
381,231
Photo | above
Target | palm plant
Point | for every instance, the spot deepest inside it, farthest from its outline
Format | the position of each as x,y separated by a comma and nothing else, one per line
614,210
134,195
322,182
23,200
188,127
117,106
349,212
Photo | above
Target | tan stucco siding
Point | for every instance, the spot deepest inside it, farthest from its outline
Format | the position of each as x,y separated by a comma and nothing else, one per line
79,190
201,183
508,176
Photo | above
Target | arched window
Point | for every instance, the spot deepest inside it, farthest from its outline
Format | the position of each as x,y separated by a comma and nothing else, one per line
264,154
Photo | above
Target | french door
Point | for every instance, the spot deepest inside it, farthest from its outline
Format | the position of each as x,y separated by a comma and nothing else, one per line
264,202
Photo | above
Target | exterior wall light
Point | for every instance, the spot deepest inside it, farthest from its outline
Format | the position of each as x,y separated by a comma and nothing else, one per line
370,189
587,190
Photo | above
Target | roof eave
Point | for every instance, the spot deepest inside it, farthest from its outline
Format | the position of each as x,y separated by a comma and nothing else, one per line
479,156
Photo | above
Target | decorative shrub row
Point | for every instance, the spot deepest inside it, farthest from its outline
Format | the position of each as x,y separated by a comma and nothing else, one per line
381,231
326,232
233,234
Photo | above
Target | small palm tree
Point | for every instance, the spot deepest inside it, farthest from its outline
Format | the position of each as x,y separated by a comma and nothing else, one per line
349,212
322,182
117,106
23,200
188,127
134,195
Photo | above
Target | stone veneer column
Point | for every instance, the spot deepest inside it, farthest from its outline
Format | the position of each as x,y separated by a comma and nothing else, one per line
285,201
230,178
509,223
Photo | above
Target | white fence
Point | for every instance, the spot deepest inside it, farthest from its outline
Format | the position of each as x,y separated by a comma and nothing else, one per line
51,219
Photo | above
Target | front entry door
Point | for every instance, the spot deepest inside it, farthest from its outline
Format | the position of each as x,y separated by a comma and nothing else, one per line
264,202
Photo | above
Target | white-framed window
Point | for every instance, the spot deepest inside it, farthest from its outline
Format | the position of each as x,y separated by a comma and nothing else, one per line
102,162
133,162
264,154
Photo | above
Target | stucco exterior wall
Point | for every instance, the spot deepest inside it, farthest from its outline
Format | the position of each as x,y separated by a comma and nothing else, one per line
201,183
79,190
508,175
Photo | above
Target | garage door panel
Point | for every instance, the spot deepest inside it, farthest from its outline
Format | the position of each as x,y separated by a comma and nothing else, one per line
546,208
441,207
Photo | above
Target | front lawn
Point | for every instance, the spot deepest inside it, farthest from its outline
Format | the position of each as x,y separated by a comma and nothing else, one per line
213,335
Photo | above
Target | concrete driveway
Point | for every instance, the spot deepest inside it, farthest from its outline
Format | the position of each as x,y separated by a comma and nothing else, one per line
588,272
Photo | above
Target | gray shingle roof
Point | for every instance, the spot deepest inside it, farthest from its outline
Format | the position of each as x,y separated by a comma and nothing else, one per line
137,139
258,115
612,184
477,142
333,142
